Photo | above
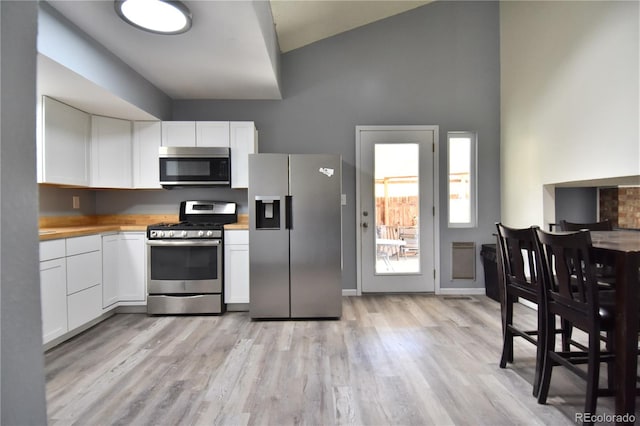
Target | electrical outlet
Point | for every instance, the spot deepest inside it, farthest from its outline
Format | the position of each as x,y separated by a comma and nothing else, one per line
76,202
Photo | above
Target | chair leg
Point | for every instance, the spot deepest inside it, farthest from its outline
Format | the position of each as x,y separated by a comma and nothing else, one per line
593,375
611,369
507,334
543,331
548,345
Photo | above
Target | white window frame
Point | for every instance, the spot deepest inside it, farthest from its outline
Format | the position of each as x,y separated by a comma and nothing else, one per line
473,158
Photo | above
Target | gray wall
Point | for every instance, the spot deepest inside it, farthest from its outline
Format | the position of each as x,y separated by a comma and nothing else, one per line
59,201
22,398
436,65
577,204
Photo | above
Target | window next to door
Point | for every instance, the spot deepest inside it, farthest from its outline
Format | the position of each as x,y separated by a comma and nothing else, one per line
462,159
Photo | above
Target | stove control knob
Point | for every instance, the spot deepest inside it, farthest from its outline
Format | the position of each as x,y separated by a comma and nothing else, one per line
200,233
183,234
160,234
170,233
209,233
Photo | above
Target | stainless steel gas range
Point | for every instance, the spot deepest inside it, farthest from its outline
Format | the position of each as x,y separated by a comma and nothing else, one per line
185,264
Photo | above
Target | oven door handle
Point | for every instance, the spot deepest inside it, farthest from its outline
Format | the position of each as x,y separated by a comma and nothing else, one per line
183,243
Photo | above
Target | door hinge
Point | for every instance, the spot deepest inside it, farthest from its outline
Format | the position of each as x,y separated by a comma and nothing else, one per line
434,274
433,211
433,147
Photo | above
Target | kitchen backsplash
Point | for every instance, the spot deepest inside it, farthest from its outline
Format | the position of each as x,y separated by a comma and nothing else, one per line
56,201
621,206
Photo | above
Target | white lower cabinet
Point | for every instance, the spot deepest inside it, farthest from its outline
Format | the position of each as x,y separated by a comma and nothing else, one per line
132,279
236,266
84,279
110,249
53,296
124,272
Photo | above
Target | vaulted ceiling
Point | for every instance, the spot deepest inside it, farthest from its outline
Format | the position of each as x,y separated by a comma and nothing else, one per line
231,50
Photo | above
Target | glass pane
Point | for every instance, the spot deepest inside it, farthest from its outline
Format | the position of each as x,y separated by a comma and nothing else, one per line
397,210
459,180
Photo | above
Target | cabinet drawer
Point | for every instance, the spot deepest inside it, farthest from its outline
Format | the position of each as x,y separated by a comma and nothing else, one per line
236,237
84,306
86,244
53,249
84,271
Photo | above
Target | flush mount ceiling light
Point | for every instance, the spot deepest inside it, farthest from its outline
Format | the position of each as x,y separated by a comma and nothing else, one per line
156,16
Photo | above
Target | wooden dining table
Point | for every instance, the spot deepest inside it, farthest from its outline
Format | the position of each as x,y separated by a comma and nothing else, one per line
621,249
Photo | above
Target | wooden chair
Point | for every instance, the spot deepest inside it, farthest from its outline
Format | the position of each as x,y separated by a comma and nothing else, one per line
567,273
519,278
605,272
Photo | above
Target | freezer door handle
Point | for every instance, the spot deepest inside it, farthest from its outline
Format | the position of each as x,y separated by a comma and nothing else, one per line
288,206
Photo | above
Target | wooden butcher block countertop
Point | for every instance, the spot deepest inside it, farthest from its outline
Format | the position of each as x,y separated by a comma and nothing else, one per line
54,227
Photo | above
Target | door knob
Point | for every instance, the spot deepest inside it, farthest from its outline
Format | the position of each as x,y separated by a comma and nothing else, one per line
365,213
365,225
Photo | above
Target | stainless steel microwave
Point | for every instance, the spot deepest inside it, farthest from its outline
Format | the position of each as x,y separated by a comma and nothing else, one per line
194,166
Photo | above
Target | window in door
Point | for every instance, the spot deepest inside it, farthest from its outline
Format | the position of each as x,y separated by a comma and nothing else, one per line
397,208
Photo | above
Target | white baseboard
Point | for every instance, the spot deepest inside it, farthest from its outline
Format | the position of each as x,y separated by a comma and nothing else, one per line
349,292
461,291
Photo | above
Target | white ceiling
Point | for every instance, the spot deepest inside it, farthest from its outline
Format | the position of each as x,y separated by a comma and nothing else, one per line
301,22
225,55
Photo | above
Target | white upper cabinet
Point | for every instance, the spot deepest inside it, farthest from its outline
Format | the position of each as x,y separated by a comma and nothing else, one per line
111,164
146,141
63,144
243,141
178,133
212,133
195,133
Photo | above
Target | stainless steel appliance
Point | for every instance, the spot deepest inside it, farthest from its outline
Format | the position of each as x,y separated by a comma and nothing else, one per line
194,166
295,236
185,267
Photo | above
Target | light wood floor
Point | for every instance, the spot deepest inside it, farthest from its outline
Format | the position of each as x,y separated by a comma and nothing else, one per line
390,360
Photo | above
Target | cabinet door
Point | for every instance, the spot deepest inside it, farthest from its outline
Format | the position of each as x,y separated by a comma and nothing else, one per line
178,133
110,153
236,267
243,141
147,137
64,144
110,269
53,294
132,267
84,306
212,133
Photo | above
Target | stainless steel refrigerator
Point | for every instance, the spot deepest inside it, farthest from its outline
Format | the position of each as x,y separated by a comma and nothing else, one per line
295,236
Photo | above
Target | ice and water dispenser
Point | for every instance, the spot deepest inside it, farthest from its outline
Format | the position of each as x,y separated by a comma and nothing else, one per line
267,212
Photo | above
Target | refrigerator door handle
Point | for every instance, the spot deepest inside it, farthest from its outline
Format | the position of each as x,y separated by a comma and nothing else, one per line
288,206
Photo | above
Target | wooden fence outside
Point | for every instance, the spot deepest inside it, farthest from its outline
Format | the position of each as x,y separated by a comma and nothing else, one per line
397,211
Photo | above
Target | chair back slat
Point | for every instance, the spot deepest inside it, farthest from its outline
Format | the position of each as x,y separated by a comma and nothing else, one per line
569,273
518,257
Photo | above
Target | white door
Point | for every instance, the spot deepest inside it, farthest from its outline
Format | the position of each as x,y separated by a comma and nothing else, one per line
396,208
